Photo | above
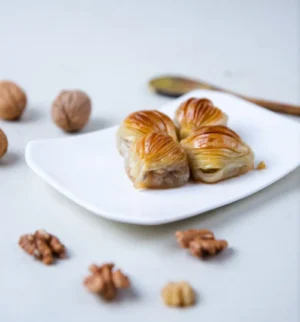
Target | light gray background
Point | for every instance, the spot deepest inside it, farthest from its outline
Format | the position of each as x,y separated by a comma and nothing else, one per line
110,49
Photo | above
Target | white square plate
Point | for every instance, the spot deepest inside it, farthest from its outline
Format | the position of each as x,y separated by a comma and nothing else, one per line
88,169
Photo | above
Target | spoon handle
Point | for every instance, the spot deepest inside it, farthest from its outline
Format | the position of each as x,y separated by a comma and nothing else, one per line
275,106
271,105
175,86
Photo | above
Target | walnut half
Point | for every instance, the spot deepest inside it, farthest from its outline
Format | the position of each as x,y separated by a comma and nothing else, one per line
178,294
201,242
43,246
105,282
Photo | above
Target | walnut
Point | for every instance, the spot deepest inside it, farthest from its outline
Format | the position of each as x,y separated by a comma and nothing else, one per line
178,294
12,100
261,165
3,143
71,110
43,246
201,243
206,247
105,282
185,237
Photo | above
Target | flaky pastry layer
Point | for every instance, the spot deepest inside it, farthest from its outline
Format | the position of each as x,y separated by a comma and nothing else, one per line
157,161
216,153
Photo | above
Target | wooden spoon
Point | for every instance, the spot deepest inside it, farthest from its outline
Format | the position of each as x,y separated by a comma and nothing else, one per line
175,86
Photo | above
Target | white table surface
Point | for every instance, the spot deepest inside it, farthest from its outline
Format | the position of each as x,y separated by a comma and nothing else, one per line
110,49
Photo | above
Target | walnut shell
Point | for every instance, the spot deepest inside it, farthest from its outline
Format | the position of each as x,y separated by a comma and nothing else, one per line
3,143
12,100
71,110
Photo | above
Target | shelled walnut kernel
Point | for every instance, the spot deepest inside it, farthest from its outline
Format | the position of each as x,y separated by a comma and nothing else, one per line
103,281
43,246
178,294
201,243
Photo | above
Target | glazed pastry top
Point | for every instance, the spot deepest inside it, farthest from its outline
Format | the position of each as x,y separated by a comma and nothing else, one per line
195,113
158,149
144,122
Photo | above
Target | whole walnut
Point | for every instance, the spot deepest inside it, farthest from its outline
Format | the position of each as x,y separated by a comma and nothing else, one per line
71,110
3,143
12,100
